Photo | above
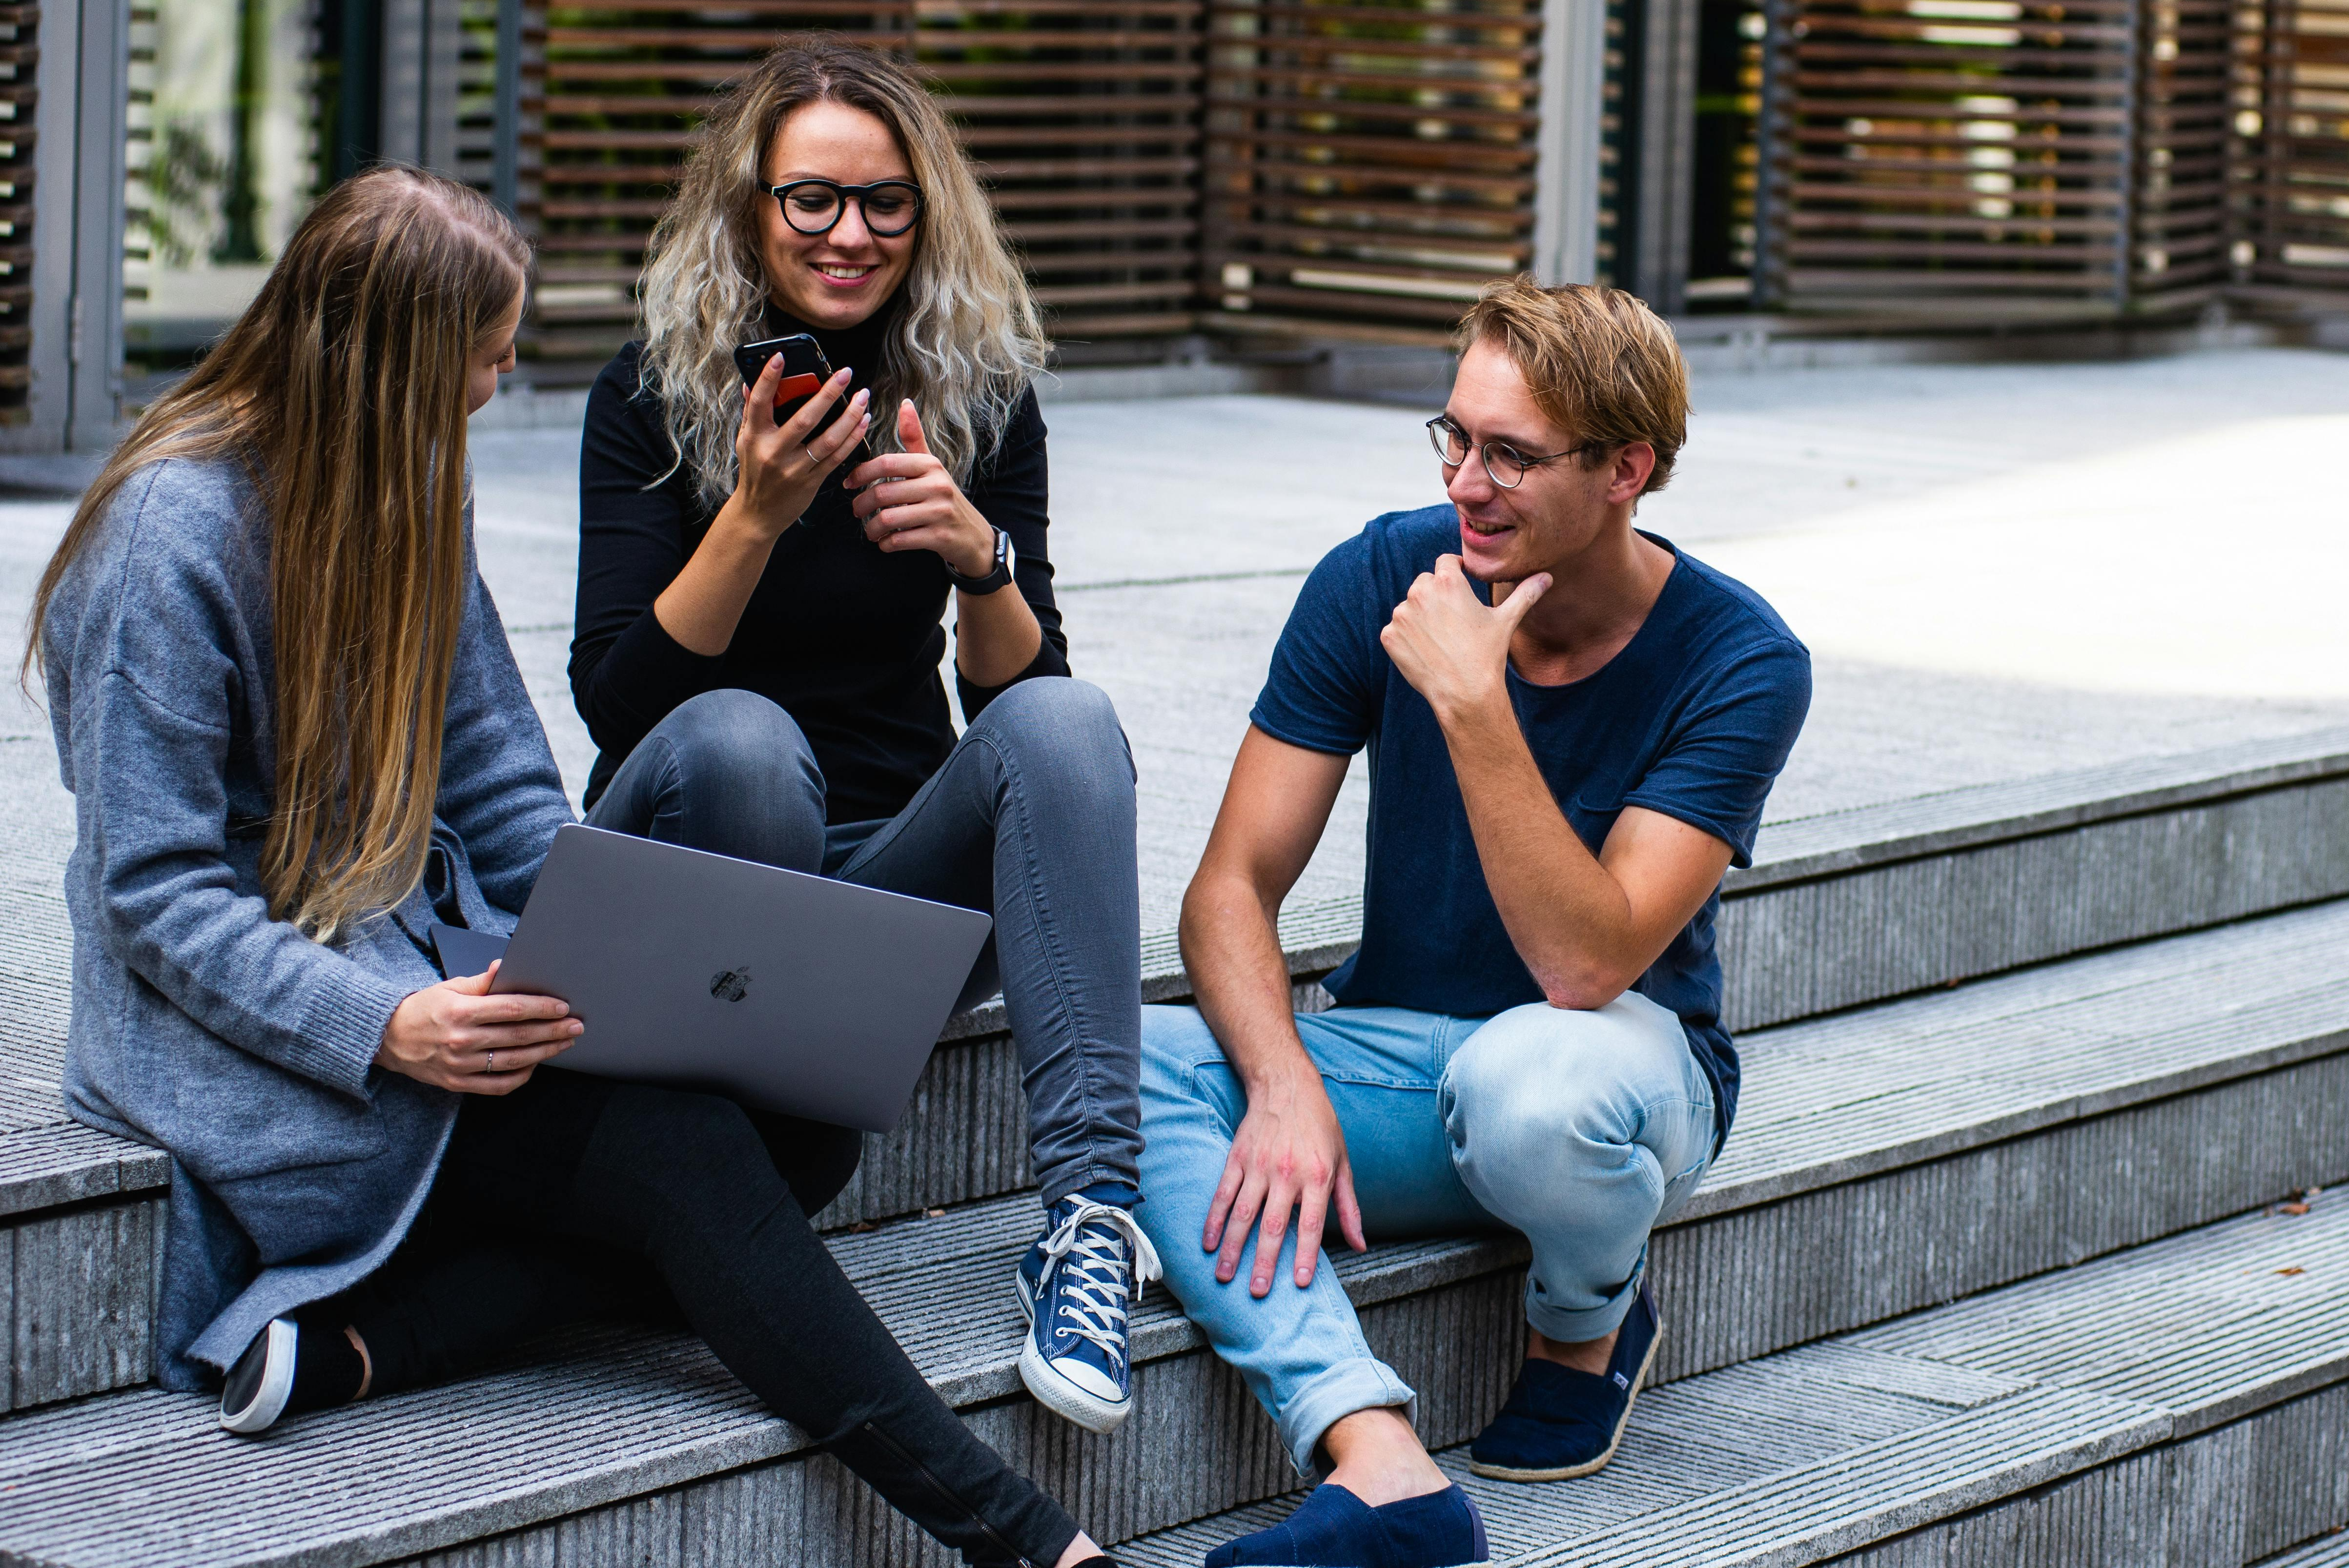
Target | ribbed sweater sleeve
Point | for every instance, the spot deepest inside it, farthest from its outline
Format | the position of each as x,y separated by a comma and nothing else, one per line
637,520
1013,492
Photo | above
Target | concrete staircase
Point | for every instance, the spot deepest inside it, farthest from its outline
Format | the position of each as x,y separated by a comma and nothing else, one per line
2003,1262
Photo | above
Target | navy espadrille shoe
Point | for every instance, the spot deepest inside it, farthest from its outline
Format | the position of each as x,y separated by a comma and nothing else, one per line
1559,1423
1332,1528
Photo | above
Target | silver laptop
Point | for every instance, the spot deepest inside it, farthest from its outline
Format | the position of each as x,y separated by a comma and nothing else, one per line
789,992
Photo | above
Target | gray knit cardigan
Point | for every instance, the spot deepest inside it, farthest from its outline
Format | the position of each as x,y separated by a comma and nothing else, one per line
201,1026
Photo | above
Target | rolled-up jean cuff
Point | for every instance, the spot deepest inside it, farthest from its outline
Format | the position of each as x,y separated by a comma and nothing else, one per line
1590,1323
1331,1396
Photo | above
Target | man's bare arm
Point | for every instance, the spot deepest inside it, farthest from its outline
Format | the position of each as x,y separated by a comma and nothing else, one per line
1585,925
1288,1153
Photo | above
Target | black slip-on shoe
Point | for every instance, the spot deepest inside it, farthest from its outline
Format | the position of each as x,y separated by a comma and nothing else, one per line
261,1381
1559,1423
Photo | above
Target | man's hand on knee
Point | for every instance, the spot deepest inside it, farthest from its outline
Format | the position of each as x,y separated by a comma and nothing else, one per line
1289,1154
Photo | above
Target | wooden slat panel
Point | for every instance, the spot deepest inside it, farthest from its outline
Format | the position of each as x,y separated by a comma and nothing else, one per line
20,48
1423,155
1084,115
2292,89
1995,149
1368,163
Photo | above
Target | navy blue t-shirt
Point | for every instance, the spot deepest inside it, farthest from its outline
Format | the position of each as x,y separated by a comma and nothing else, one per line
1693,718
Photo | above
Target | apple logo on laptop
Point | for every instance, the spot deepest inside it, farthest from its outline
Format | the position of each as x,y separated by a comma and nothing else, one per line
731,984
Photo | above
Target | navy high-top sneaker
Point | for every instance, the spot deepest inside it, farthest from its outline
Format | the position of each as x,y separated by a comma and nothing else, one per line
1079,1285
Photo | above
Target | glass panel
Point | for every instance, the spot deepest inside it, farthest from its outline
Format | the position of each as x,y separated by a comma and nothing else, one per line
223,160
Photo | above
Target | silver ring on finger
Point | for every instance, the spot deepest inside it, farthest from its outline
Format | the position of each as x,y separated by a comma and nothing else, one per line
490,1063
809,452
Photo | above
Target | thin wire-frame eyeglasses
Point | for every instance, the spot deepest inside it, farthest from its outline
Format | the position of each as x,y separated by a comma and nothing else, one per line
1503,464
814,207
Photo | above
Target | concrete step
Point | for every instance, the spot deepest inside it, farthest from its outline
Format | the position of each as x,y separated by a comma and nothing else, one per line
2064,1112
2180,1403
2183,1403
2125,1095
1838,910
2331,1551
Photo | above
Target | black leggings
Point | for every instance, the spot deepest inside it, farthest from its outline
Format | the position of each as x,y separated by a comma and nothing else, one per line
550,1201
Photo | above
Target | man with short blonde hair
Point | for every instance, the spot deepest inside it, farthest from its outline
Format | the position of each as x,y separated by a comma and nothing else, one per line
1573,728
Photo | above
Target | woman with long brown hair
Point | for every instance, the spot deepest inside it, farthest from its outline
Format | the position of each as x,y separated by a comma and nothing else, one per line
296,738
759,635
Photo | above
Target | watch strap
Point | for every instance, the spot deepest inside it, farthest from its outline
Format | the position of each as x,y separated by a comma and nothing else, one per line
994,579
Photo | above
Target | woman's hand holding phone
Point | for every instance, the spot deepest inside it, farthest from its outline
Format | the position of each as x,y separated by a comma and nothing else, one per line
780,466
457,1036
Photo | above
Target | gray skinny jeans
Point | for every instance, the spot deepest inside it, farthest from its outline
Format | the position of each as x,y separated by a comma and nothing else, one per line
1030,819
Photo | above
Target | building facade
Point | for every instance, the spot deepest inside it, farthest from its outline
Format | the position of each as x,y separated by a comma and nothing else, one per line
1220,173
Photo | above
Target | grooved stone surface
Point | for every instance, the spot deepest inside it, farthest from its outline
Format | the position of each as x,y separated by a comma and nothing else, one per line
2212,1069
1836,1098
82,1287
2331,1550
1823,1451
1857,906
1948,899
2056,1374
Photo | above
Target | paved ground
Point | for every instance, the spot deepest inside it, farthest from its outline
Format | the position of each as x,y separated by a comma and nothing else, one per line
2002,571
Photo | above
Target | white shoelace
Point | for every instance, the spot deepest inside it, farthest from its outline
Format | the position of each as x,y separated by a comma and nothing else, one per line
1093,1304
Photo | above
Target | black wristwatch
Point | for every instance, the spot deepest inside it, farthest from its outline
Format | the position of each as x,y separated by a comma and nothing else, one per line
977,587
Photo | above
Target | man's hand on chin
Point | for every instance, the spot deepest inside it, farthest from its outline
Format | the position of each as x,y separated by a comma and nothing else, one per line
1450,645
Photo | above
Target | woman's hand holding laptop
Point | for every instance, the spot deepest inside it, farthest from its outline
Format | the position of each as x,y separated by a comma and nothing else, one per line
456,1035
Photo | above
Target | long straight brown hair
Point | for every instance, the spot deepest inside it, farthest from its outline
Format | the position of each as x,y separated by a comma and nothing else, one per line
342,391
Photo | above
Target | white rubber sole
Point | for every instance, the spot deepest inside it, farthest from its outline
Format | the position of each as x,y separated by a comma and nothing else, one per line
1052,1390
1588,1467
277,1384
1064,1398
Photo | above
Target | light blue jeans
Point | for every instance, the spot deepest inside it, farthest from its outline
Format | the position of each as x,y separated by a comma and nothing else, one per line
1580,1129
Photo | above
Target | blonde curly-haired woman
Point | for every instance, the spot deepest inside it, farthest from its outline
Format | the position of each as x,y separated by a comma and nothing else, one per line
760,607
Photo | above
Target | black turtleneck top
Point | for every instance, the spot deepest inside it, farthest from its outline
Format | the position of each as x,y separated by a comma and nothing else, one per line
845,639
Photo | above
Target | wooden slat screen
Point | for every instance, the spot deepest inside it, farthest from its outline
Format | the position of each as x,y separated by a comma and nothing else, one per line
476,138
2011,158
1082,114
1370,162
2292,156
20,55
2180,173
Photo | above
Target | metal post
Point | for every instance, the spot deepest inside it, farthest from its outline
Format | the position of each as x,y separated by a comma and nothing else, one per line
1566,171
401,68
48,177
1659,166
94,322
358,121
505,133
1773,126
2131,163
444,47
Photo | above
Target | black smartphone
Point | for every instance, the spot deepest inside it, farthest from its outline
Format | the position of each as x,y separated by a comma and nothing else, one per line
805,369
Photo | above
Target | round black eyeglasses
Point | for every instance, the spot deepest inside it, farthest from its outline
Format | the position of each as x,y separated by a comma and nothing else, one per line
815,206
1503,464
